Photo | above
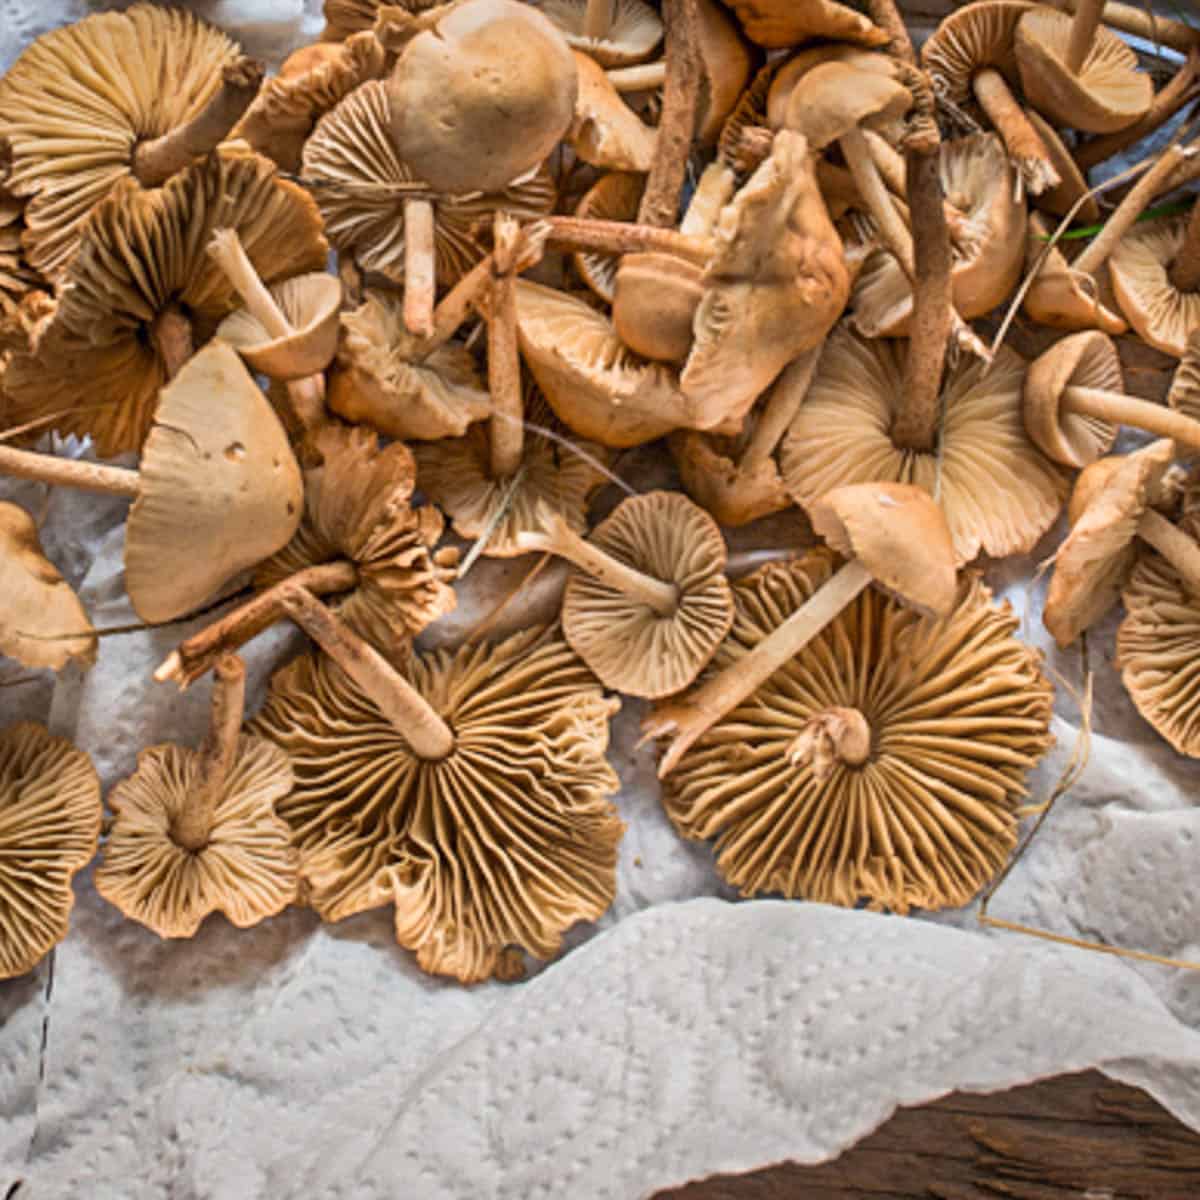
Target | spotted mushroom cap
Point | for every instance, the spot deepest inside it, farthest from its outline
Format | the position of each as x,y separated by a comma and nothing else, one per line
506,842
1140,267
633,36
49,828
882,764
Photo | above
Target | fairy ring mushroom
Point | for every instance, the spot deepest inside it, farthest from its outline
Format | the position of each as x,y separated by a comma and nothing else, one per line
50,818
486,820
615,33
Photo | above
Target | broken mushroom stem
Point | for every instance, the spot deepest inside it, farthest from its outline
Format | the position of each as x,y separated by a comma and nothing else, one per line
69,472
1181,551
782,405
172,336
1025,147
1120,409
420,284
154,162
1143,22
193,826
507,426
405,709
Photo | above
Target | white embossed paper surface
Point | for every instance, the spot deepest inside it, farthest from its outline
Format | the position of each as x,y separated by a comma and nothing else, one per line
683,1035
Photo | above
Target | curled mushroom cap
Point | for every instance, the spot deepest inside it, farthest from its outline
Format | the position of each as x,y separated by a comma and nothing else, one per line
1060,297
778,23
506,841
633,34
1162,315
606,132
883,763
49,828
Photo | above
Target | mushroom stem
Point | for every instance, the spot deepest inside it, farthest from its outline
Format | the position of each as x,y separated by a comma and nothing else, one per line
1025,148
193,826
557,537
69,472
419,283
172,336
781,408
1144,23
1185,270
408,712
1088,14
877,198
641,78
507,425
192,658
154,162
624,237
1119,409
227,251
1174,545
835,735
689,718
597,19
716,185
895,175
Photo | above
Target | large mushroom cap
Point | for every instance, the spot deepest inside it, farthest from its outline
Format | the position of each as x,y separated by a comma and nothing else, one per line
42,622
630,647
883,763
507,841
836,97
458,92
1139,266
219,487
633,35
49,829
969,38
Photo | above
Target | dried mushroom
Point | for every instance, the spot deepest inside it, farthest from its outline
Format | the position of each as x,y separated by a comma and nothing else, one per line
613,197
780,23
1059,296
616,33
606,132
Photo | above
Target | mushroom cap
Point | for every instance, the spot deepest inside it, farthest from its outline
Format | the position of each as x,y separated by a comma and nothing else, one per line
382,380
613,197
836,97
49,828
357,508
998,492
17,278
361,183
899,534
141,253
79,100
726,64
509,840
459,90
1107,94
1061,198
654,305
1139,266
344,18
248,870
784,78
312,305
606,132
779,23
1092,564
711,474
633,36
958,712
1081,360
630,647
971,37
1184,393
219,487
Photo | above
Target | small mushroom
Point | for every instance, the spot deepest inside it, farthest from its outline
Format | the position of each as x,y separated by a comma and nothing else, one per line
613,197
776,24
1072,186
217,490
650,602
50,818
606,132
893,534
1060,296
616,33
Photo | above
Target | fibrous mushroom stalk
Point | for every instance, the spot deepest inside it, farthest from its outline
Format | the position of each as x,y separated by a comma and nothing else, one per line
1088,14
420,284
507,428
1119,409
69,472
625,237
1025,148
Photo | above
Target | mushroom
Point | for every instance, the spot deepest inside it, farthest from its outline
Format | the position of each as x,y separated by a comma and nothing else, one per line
50,819
606,132
613,197
883,764
1077,73
17,279
196,832
784,78
893,534
1072,187
776,24
42,622
615,33
137,95
345,18
217,491
650,603
1142,22
475,797
1059,296
142,289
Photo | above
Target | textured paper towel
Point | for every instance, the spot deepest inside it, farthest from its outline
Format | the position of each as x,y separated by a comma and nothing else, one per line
295,1060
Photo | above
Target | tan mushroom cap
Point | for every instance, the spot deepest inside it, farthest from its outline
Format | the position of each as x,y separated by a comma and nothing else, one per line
630,647
344,18
785,77
1139,267
216,497
605,131
779,23
42,622
1092,564
613,197
384,380
1060,297
1107,94
971,37
918,809
655,298
17,278
360,184
836,97
459,90
726,63
1072,185
633,36
507,841
1081,360
50,819
998,492
712,476
1184,393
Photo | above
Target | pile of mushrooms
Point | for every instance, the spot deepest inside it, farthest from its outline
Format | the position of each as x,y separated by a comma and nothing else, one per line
773,247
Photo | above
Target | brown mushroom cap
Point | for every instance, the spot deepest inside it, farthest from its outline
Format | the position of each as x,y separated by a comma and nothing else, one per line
1107,94
459,90
42,622
605,131
969,38
633,35
784,78
1060,297
613,197
836,97
655,298
955,712
1139,266
1072,185
344,18
508,840
49,828
779,23
712,476
726,64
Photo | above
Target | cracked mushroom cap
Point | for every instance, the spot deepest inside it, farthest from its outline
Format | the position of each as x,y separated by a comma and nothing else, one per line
360,183
142,255
633,36
836,97
50,818
42,622
998,492
80,99
613,197
973,36
630,647
783,23
882,764
508,841
1107,94
606,132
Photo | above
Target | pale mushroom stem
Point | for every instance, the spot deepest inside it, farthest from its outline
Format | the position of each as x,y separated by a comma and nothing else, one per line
693,715
597,19
557,537
895,175
420,285
69,472
192,828
1025,148
154,162
408,712
641,78
712,193
1119,409
625,237
1174,545
780,411
192,658
507,425
1144,23
1088,14
1185,270
172,337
